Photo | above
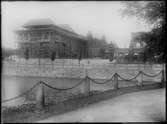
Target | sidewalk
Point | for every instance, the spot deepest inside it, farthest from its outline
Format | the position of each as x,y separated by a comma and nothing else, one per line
147,106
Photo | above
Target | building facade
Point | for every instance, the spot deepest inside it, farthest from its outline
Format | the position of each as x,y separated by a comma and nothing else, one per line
42,38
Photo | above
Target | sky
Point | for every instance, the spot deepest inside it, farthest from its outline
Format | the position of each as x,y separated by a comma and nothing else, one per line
101,18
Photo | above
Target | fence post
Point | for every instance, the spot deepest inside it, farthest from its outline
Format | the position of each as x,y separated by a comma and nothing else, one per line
87,85
40,98
140,80
163,78
115,81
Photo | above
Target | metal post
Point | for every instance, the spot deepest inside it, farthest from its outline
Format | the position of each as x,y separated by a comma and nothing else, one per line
164,73
115,81
140,80
87,85
40,98
163,78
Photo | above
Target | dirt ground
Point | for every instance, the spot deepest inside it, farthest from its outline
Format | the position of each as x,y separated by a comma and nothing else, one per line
144,106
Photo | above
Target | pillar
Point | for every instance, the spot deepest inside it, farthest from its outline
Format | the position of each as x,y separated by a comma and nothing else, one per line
115,81
163,78
40,98
140,79
87,86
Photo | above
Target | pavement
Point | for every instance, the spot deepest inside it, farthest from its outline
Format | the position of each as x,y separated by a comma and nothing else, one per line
143,106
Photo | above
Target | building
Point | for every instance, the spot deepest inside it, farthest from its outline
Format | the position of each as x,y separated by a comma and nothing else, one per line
110,51
42,38
120,54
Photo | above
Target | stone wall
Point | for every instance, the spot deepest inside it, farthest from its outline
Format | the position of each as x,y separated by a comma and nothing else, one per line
96,71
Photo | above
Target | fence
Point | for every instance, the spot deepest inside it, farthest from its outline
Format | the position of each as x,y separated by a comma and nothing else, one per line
41,94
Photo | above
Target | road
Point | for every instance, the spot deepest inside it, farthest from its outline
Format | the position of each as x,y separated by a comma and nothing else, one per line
144,106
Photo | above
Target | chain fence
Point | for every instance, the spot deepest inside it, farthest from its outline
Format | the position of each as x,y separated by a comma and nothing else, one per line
21,95
129,79
104,82
62,94
148,75
138,78
60,89
25,106
59,96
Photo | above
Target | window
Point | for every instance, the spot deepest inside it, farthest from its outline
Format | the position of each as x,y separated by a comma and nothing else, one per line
46,36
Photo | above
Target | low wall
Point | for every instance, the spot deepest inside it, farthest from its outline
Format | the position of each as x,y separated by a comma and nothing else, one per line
61,61
96,71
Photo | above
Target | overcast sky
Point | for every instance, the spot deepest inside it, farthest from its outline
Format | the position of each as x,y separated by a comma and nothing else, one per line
101,18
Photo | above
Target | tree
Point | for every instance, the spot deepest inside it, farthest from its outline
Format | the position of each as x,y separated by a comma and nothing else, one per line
153,12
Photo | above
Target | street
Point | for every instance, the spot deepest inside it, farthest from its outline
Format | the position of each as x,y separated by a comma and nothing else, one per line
145,106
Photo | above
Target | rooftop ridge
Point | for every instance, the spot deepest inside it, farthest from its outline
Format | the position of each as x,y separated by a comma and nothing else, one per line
38,22
47,23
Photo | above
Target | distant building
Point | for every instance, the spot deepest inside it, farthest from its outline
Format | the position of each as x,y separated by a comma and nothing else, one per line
110,51
42,38
121,53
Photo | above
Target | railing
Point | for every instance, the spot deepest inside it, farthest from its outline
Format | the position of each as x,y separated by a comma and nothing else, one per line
115,78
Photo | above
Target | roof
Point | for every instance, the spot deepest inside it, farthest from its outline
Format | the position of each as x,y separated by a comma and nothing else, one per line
122,50
46,24
66,27
137,50
39,22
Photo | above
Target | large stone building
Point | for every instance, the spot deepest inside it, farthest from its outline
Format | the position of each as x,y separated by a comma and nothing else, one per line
42,38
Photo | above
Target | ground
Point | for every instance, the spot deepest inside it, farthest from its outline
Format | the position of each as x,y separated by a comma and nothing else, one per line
143,106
